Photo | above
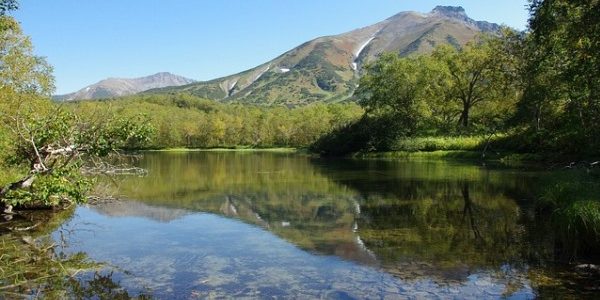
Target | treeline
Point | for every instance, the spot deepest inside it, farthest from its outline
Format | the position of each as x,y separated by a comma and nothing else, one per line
184,120
536,91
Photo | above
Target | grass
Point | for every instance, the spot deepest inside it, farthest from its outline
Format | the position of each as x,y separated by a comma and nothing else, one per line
445,147
462,143
455,147
439,154
573,197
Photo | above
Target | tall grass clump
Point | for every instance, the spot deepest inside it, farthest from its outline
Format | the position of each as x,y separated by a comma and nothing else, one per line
574,203
447,143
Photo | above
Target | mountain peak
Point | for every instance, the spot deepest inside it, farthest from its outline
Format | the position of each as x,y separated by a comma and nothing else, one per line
162,74
450,11
458,13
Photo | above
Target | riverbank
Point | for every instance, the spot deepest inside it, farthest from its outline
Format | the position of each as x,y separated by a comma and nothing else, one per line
498,147
506,158
430,148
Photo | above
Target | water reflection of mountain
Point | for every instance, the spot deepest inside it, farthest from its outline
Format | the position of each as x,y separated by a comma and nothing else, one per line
413,219
139,209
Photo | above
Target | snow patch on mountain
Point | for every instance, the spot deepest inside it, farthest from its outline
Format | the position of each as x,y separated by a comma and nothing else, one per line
359,51
262,73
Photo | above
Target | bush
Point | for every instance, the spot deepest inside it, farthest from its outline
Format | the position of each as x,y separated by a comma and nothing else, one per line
364,135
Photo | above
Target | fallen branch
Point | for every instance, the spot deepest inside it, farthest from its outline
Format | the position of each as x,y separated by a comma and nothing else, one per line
25,228
108,169
94,200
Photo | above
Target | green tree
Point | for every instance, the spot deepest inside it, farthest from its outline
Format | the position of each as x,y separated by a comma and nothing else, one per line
562,77
43,144
474,76
394,87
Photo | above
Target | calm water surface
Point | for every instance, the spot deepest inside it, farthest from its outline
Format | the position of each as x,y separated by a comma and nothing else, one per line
275,225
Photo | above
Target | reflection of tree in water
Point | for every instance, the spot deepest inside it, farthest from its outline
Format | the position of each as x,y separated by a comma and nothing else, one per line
437,219
468,211
99,286
284,193
450,231
450,217
33,266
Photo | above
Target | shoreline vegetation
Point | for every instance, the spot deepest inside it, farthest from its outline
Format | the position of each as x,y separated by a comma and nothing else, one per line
471,154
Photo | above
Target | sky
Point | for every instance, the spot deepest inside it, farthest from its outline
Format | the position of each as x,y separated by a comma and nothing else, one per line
87,41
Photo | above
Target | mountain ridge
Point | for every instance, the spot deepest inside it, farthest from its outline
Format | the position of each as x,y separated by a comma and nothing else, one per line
118,87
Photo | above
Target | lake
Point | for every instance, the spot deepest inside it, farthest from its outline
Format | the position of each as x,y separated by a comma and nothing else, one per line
285,225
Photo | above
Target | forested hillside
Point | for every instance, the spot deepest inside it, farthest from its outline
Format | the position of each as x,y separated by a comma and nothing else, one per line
184,120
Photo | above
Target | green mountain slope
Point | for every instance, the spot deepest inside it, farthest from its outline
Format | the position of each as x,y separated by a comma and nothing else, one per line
327,68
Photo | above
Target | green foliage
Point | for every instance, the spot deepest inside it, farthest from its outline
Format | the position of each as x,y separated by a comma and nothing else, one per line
395,87
449,91
572,197
8,5
42,145
561,77
61,186
183,120
440,143
473,77
367,134
21,71
54,145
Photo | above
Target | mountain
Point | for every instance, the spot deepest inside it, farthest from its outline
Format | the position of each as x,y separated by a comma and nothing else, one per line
328,68
116,87
128,208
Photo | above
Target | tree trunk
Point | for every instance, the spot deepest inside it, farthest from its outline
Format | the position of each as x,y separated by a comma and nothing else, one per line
21,184
463,121
538,118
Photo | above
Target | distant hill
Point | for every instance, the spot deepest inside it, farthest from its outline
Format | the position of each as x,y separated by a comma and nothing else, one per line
327,68
117,87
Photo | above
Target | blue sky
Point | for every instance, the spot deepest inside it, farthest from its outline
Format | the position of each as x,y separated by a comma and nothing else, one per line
87,41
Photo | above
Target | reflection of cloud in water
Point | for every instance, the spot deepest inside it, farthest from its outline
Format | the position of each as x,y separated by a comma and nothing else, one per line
138,209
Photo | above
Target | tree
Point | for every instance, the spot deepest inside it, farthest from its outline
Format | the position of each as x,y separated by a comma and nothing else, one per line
7,5
395,87
54,147
562,75
473,76
46,144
